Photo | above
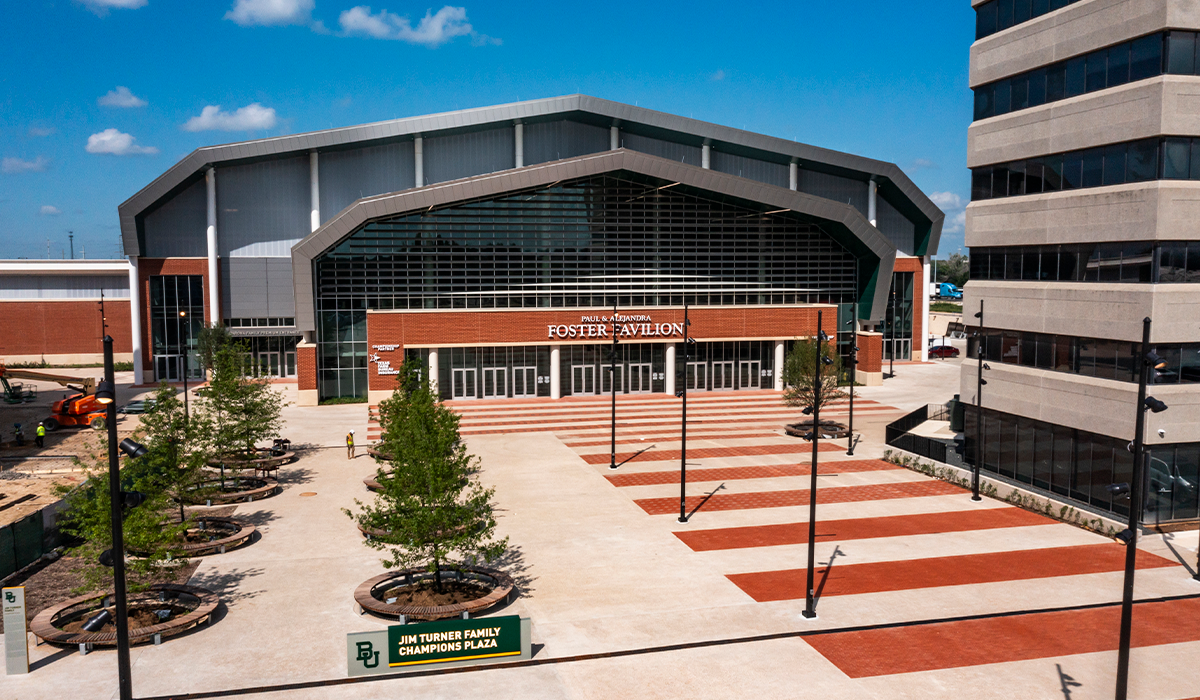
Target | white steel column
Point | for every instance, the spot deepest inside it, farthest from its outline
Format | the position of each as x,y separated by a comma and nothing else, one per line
519,144
214,299
135,318
793,176
419,160
433,371
872,190
923,290
614,138
779,360
555,379
705,155
670,369
314,186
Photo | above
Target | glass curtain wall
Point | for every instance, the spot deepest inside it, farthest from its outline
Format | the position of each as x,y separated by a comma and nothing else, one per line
176,319
898,323
491,373
587,369
728,366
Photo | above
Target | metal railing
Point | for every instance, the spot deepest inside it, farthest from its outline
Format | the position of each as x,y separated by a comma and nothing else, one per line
897,433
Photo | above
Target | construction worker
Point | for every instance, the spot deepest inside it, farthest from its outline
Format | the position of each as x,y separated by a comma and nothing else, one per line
19,435
41,435
350,445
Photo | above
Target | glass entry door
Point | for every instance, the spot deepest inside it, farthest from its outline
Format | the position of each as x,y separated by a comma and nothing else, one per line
494,385
168,368
748,376
583,379
524,381
268,364
898,348
639,378
464,382
608,384
697,376
722,375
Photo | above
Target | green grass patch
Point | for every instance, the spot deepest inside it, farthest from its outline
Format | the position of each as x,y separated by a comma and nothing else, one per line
343,399
945,307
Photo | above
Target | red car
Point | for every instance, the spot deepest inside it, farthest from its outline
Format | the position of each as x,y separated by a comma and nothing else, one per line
943,351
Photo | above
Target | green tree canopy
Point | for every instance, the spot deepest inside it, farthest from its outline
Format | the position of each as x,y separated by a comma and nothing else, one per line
210,340
801,387
956,269
243,408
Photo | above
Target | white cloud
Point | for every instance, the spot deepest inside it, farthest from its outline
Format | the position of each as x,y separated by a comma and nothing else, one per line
48,210
40,131
113,142
249,118
101,7
921,163
121,97
955,208
433,29
249,13
16,165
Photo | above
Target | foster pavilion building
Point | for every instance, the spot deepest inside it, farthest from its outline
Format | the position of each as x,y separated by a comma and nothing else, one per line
494,244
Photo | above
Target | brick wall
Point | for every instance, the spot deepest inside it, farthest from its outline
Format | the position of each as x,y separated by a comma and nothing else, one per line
151,267
62,327
306,367
870,352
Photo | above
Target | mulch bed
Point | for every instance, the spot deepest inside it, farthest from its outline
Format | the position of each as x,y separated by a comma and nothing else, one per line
425,594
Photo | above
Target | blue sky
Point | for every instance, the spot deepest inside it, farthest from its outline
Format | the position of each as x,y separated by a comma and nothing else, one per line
99,97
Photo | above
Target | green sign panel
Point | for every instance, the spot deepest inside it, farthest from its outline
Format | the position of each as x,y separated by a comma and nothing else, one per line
444,643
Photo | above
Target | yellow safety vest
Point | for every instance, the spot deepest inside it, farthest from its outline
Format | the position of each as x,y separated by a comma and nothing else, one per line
41,431
349,440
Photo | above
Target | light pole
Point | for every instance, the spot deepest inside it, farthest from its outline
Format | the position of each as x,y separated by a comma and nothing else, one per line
682,393
810,604
187,337
853,366
612,384
981,347
892,332
1148,359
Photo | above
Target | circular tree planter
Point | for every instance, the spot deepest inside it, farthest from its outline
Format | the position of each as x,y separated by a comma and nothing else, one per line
237,489
830,430
378,454
215,536
494,587
165,610
373,484
265,461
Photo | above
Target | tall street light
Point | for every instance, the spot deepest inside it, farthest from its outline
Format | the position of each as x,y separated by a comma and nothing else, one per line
188,326
612,384
981,350
688,341
810,603
853,323
1148,359
106,396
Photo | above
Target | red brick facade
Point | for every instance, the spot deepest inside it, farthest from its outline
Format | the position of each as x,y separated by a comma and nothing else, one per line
306,367
40,327
530,327
150,267
870,352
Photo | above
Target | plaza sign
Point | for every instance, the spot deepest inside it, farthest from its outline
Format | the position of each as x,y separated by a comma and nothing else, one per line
627,327
438,644
16,639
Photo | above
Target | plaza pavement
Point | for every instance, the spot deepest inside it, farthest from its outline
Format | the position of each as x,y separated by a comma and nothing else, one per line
607,572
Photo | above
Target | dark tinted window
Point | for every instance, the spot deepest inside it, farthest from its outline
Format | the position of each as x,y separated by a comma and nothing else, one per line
1067,262
1000,181
1029,266
1037,88
1033,176
1181,53
1175,158
1052,173
1020,93
981,184
1093,167
1004,9
1146,57
1072,171
1097,71
984,107
1118,65
1076,75
1022,11
1056,82
1016,179
1114,163
1195,165
1002,97
1143,160
985,20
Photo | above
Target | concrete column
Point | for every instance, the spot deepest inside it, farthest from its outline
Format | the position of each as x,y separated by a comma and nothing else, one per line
214,298
419,160
706,155
555,374
519,144
793,176
779,359
433,371
614,138
135,318
872,190
923,290
314,186
670,370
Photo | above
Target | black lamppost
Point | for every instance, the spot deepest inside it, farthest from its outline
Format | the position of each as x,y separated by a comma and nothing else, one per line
810,604
612,383
106,395
682,393
981,348
187,336
892,332
1148,359
853,323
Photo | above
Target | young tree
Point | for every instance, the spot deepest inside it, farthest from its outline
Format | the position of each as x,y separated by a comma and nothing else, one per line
801,388
211,339
243,408
177,448
431,504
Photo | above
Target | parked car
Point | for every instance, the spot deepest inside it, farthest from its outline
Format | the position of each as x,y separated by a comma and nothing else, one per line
943,351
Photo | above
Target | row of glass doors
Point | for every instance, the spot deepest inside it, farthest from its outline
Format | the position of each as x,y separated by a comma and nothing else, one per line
492,382
724,375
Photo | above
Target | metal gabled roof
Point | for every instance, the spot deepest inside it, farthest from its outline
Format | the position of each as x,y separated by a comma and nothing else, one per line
875,252
895,186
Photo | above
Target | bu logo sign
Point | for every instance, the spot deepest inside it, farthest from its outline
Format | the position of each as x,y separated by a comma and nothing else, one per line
10,597
367,654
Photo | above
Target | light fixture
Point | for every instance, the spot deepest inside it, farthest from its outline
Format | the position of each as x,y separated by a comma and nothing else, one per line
105,392
1119,490
1124,536
182,314
986,366
133,448
1155,405
982,382
1155,360
978,314
826,360
807,410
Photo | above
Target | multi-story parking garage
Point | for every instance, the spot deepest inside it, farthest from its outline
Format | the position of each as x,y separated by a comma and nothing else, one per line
496,243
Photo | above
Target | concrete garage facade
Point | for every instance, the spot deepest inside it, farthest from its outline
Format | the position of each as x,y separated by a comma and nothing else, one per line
1082,223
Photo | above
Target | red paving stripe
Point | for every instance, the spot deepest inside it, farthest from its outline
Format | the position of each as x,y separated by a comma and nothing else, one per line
968,569
994,640
766,471
860,528
797,447
555,426
628,440
784,499
646,420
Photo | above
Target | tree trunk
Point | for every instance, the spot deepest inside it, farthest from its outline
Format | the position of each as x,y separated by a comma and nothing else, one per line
437,573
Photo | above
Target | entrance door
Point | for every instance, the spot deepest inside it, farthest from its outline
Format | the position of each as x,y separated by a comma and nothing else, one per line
898,348
697,376
465,386
494,386
748,374
168,368
583,379
722,375
289,363
524,381
269,364
607,370
639,378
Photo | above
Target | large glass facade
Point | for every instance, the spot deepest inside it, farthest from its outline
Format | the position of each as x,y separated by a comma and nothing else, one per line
1091,357
730,366
599,242
897,324
1081,465
998,15
1129,261
176,319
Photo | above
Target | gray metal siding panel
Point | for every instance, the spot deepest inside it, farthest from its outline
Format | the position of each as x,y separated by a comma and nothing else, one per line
892,224
21,287
464,155
751,168
177,228
549,141
678,152
364,172
263,208
281,299
842,190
